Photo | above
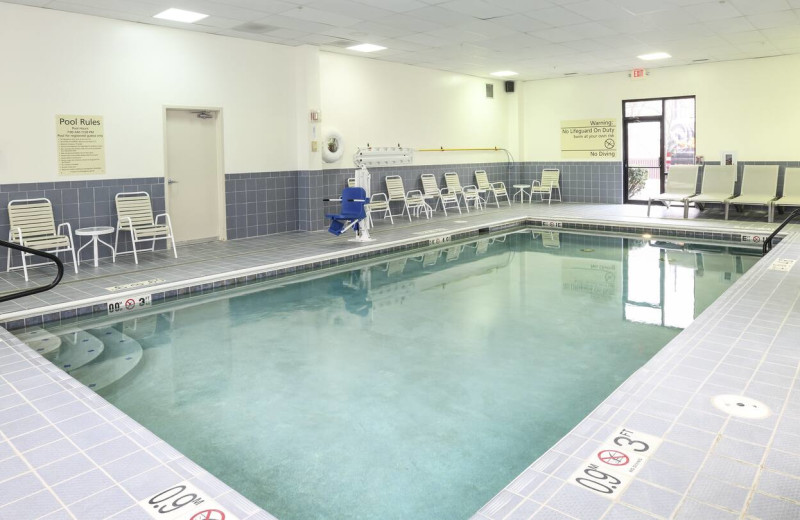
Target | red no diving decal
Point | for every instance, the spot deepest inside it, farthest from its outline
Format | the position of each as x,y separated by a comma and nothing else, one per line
209,514
130,303
613,457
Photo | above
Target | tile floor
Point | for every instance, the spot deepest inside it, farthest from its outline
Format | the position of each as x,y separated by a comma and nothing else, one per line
66,453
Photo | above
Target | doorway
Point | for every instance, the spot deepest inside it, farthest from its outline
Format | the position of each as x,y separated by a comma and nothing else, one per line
657,133
193,166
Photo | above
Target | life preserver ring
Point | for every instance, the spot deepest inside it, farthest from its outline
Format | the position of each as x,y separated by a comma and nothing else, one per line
332,145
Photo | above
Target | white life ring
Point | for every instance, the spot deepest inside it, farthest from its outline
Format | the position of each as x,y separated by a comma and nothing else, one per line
332,145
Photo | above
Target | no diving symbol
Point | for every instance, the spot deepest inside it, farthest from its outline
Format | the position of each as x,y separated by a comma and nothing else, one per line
209,514
610,144
613,457
130,303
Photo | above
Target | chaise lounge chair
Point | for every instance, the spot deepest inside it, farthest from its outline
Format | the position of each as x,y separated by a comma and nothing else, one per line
32,225
759,187
791,192
719,182
681,184
135,216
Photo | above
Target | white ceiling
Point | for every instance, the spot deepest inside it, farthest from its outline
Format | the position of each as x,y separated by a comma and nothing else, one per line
537,38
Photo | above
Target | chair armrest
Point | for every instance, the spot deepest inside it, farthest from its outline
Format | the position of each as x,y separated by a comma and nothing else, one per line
498,183
378,196
66,225
166,218
18,231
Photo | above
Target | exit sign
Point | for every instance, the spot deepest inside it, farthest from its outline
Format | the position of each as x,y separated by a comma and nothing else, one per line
638,74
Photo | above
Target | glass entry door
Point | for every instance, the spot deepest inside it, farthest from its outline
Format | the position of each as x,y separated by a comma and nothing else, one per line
657,133
643,163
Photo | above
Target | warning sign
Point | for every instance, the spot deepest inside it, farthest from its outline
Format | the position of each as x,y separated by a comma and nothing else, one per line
589,139
614,467
209,514
80,141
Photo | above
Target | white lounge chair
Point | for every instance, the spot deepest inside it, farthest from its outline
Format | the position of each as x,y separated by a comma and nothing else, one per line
416,201
719,182
681,184
449,198
548,185
759,187
498,189
377,204
430,189
453,183
135,216
471,195
791,192
32,225
397,193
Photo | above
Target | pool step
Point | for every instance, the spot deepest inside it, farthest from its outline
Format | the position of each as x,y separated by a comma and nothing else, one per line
42,341
121,354
77,349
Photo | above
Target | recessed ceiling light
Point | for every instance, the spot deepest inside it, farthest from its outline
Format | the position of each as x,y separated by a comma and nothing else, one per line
366,47
179,15
503,73
654,56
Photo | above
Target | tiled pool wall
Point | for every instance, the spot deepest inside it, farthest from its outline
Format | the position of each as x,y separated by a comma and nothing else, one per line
81,204
304,265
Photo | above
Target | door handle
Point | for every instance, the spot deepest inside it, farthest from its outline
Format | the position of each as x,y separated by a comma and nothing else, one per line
170,181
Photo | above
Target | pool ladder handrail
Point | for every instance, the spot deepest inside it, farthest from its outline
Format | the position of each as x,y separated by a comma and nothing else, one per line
35,290
768,241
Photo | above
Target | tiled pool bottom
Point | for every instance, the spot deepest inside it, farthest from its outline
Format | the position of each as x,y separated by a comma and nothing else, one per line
524,501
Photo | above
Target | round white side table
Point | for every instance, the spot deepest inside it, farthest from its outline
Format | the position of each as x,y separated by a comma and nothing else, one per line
95,233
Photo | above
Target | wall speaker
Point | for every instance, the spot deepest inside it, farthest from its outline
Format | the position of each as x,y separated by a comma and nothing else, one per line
509,86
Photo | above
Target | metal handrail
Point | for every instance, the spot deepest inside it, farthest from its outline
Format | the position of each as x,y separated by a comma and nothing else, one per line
768,241
35,290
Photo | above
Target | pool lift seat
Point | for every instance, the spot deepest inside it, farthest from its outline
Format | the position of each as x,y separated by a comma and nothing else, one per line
352,215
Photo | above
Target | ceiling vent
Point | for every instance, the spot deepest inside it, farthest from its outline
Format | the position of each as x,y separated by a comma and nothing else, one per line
254,28
489,90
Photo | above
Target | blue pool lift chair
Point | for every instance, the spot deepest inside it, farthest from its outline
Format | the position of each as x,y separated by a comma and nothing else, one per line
352,215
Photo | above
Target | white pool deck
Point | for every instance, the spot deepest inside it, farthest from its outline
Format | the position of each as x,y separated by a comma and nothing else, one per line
66,453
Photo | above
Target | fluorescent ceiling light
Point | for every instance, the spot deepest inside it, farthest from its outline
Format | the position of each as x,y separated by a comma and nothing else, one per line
654,56
366,47
179,15
503,73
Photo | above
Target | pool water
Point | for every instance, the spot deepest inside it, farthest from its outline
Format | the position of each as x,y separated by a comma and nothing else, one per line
416,387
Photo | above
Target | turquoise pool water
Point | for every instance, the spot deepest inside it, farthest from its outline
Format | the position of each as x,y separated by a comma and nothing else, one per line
413,388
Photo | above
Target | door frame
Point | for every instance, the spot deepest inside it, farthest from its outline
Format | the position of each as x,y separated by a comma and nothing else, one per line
222,228
642,119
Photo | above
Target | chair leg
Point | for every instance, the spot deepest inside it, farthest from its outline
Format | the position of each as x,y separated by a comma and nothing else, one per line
174,249
727,208
686,208
74,259
649,201
24,265
133,244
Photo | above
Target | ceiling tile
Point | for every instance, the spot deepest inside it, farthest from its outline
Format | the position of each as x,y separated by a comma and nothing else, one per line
596,9
407,23
557,16
713,11
521,22
399,6
637,7
730,25
476,8
776,19
349,8
443,17
761,6
309,14
290,22
521,6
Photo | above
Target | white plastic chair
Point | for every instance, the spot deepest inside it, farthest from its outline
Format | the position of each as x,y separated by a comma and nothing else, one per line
449,198
791,192
397,193
135,216
430,189
498,189
681,184
415,202
471,194
453,183
759,187
378,203
719,182
32,225
548,185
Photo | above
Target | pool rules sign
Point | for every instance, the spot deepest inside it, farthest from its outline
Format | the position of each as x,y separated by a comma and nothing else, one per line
594,139
80,141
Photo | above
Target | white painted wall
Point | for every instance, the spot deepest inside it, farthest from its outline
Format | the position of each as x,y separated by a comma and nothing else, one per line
384,104
63,63
747,106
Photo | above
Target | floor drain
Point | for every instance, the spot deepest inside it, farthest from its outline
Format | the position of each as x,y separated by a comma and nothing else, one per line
740,406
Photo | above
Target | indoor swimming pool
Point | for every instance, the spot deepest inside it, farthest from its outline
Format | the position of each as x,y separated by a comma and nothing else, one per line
416,386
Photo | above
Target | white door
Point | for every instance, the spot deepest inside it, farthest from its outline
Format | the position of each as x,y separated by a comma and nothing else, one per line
192,178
